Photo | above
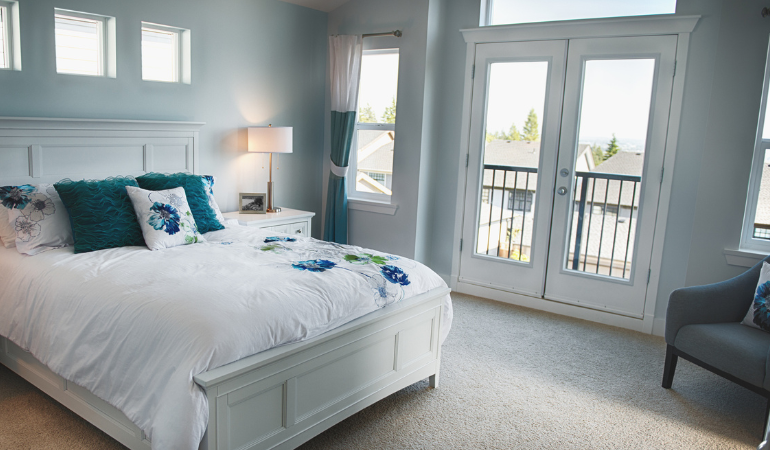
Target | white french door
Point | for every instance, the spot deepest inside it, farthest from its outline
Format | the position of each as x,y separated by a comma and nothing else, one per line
579,228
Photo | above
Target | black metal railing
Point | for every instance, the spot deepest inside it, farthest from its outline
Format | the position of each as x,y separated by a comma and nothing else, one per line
512,190
613,203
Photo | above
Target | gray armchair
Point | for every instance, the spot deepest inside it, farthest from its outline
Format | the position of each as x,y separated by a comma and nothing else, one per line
703,327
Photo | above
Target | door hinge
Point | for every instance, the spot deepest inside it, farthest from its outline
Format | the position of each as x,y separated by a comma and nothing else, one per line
649,274
467,158
473,72
461,245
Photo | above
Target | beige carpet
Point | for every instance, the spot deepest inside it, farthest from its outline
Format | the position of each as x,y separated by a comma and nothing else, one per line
512,378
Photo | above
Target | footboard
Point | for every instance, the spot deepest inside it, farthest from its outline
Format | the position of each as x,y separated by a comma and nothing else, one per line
284,396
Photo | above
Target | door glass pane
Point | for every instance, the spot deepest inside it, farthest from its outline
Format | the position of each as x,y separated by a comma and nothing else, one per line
508,195
762,216
609,163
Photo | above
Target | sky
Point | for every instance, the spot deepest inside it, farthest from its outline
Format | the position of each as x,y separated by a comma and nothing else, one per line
379,81
616,97
524,11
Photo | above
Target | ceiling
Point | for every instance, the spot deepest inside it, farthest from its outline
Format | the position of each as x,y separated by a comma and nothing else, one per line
320,5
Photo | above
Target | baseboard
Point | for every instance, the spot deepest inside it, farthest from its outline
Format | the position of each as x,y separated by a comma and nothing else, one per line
659,327
559,308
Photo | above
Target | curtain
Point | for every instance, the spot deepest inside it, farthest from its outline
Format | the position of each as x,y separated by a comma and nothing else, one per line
345,67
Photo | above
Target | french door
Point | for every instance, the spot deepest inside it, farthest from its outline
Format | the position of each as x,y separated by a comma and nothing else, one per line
565,163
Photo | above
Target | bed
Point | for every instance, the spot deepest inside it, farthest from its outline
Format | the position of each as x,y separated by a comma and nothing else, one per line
276,391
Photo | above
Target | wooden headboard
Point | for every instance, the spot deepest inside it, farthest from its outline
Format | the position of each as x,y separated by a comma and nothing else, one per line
36,150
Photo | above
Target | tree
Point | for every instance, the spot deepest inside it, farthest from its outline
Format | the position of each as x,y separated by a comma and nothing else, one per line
367,115
612,148
513,133
389,116
598,154
531,128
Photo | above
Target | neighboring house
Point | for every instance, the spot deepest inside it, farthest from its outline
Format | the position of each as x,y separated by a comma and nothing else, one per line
375,161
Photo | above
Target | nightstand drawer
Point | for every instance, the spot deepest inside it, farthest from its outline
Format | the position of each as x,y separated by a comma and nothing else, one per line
297,228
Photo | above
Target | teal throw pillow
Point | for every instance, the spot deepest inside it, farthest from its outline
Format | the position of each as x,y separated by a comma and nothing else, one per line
195,190
101,213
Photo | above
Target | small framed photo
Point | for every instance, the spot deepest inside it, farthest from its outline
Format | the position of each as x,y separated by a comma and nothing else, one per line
252,203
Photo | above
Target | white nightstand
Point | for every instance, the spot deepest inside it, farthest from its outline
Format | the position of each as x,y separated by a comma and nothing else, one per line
291,221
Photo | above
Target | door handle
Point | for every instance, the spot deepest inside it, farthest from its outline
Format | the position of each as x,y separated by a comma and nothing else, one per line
562,190
564,172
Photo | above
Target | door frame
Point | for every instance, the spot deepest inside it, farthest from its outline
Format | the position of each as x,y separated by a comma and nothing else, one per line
682,26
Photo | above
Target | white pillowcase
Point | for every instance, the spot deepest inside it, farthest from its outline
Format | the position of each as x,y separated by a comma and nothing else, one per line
39,220
208,184
7,233
761,297
165,217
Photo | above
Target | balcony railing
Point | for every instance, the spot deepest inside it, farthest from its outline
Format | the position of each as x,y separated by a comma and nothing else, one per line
603,222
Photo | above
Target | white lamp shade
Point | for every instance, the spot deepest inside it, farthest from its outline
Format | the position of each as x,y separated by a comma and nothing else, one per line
270,139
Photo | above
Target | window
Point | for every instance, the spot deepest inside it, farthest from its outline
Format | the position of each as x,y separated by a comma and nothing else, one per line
165,53
85,43
10,50
756,219
375,133
498,12
517,202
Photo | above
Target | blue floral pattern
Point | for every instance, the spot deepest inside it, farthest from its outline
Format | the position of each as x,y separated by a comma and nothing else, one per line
279,239
314,265
395,275
164,217
761,312
16,196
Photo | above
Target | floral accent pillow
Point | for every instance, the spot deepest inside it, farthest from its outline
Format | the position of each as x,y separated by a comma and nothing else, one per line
758,315
165,217
37,217
208,184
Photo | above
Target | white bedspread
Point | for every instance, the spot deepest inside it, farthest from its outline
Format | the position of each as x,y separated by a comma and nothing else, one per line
134,326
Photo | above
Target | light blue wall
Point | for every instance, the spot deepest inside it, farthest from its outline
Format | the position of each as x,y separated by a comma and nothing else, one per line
253,62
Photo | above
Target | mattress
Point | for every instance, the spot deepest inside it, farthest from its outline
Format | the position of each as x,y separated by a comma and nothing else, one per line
134,326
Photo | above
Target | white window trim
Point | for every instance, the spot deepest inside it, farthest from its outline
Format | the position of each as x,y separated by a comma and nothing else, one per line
755,179
12,37
107,42
353,194
183,52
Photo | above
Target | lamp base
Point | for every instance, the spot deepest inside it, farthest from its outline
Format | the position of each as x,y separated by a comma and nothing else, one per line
275,209
270,190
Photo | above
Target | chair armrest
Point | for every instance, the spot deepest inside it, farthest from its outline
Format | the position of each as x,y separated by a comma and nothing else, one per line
726,301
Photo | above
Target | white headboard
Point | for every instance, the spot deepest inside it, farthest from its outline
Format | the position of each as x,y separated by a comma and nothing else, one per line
34,150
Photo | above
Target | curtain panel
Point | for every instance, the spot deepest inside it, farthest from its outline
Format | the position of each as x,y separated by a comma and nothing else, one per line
345,66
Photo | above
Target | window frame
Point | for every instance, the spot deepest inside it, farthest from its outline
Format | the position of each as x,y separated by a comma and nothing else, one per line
486,11
761,146
182,66
106,58
11,34
353,162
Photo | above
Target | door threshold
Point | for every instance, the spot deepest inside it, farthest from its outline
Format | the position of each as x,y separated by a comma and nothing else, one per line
643,325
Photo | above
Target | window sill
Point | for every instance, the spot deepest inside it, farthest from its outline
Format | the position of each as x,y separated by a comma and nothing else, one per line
743,258
372,206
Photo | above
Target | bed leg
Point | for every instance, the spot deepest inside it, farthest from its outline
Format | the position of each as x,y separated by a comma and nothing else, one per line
433,381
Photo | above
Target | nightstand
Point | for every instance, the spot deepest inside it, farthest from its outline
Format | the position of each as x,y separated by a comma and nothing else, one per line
291,221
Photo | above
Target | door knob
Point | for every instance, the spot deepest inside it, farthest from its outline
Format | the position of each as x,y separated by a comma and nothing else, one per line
562,190
564,172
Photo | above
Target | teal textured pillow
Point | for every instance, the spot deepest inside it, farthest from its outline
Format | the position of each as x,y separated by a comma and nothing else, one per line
194,189
101,213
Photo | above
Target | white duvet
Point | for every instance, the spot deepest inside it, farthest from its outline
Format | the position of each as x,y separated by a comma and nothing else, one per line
134,326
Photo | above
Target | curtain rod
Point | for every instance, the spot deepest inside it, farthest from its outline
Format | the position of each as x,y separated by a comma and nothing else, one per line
396,33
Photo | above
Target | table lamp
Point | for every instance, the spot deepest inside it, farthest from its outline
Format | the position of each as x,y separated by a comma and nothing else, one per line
271,140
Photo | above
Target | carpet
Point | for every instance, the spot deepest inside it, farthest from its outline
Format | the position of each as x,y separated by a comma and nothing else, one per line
511,378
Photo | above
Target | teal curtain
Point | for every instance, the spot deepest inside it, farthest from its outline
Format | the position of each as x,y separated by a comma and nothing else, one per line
345,70
336,224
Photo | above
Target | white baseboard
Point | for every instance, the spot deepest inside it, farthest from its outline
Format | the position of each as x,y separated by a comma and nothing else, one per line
659,326
647,325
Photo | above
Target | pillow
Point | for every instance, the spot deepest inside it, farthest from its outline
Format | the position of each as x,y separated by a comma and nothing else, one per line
101,213
42,224
11,197
759,311
208,186
204,216
7,233
165,217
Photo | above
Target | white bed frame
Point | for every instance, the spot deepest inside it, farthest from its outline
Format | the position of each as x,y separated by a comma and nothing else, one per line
279,398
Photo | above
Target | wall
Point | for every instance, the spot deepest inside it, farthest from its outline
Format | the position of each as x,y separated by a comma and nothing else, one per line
253,62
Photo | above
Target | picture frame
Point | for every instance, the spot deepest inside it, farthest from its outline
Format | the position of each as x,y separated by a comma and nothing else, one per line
252,203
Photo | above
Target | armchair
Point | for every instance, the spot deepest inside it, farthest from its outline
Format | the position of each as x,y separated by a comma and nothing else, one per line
703,327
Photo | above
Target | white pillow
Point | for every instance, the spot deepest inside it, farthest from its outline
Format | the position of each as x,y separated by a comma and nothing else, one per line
165,217
208,184
39,221
11,197
7,233
761,300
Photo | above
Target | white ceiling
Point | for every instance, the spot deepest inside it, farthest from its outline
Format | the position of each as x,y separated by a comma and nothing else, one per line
320,5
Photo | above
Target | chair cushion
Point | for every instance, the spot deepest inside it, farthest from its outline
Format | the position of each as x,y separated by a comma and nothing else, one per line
731,347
